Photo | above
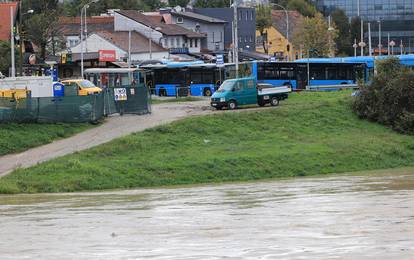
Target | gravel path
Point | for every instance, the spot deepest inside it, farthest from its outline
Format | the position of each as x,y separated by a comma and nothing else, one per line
113,128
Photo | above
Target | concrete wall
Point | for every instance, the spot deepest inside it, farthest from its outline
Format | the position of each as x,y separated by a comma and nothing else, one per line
96,43
214,32
246,25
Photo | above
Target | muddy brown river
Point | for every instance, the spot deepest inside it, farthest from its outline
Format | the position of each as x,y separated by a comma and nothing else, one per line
366,216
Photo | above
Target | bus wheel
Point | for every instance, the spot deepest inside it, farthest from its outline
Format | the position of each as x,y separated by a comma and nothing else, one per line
274,101
207,92
162,92
232,105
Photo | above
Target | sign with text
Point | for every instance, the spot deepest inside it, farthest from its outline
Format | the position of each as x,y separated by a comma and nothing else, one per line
107,55
219,59
120,94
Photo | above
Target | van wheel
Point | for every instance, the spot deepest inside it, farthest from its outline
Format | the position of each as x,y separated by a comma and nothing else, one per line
207,92
219,108
274,101
232,105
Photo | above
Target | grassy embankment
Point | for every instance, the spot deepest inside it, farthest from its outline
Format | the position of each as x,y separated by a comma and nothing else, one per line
19,137
311,133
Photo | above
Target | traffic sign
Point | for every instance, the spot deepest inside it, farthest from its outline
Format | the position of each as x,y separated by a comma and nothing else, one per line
219,59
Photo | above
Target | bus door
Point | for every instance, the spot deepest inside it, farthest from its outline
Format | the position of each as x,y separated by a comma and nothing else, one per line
183,83
301,76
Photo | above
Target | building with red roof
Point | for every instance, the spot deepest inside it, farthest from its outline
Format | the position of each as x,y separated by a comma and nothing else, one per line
5,19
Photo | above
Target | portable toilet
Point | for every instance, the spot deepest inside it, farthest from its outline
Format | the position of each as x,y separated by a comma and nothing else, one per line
58,89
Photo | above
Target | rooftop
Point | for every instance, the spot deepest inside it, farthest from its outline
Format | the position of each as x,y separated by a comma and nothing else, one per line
5,19
279,21
139,43
71,25
198,17
167,29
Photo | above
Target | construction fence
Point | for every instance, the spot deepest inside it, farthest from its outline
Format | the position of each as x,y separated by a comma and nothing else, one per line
76,109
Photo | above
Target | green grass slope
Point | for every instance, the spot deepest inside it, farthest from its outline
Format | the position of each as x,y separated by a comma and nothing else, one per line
310,133
19,137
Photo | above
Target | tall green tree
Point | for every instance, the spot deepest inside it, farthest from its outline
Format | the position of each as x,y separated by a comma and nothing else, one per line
343,42
5,57
305,7
212,3
263,21
182,3
314,37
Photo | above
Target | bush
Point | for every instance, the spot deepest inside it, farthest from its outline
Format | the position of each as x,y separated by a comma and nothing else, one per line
389,99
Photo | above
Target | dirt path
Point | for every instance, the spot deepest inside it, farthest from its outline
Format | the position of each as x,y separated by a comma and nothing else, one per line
114,127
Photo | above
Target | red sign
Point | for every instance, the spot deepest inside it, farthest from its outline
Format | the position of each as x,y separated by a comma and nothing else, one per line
107,55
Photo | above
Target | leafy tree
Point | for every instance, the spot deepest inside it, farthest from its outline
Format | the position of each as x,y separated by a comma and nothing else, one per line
313,35
182,3
389,98
42,30
263,21
343,42
305,7
211,3
5,57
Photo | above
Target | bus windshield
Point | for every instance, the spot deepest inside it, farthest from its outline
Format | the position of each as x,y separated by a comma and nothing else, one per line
226,86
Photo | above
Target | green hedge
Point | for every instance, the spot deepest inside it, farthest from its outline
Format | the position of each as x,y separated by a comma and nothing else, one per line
389,99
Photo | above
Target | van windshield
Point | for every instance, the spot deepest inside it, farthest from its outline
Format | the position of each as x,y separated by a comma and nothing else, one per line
86,84
226,86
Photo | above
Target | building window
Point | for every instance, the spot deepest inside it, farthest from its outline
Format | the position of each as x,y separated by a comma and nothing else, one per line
165,42
196,43
247,15
180,20
251,15
171,42
240,15
197,28
251,38
213,40
177,42
191,43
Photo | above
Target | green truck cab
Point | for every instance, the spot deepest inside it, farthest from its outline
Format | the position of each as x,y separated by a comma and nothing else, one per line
245,91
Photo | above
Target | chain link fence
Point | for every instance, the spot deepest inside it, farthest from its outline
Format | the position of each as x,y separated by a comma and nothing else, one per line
74,109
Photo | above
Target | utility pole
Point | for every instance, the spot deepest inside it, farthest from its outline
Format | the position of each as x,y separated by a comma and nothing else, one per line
235,38
369,40
379,40
388,44
13,63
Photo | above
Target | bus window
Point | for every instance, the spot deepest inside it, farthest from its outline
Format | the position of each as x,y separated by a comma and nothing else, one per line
331,73
208,77
196,77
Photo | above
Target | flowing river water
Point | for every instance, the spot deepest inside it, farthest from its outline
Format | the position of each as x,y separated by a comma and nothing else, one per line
366,216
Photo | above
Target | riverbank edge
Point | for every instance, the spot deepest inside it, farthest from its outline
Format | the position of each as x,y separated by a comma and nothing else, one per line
75,163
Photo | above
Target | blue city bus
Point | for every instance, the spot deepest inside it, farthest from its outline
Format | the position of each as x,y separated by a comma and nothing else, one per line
317,72
183,78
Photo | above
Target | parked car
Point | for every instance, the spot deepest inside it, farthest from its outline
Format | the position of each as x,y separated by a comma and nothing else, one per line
245,91
79,87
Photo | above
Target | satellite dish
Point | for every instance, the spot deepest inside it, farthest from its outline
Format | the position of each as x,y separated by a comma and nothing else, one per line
178,9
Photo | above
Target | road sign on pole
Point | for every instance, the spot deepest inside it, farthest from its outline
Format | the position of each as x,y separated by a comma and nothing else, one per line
219,59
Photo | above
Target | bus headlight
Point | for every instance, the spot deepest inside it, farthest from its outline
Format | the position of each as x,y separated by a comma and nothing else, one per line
222,99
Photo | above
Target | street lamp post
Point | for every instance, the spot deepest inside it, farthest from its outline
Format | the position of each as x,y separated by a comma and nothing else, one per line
362,43
83,12
379,38
235,38
20,35
330,29
401,47
392,44
388,44
287,26
355,46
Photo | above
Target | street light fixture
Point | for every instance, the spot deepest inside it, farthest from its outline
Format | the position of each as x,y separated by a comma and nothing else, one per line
355,46
83,11
287,26
392,44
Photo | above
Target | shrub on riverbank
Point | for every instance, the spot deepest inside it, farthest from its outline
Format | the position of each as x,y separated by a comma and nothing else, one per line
389,99
310,133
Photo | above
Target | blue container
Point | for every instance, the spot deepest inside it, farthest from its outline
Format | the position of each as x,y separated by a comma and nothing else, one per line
58,89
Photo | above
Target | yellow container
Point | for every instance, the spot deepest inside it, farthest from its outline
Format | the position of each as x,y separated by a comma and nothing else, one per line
15,93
